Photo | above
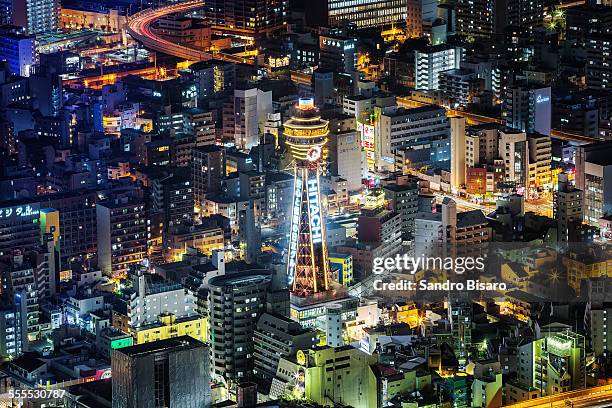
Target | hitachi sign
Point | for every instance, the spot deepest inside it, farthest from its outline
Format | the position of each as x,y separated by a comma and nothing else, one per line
315,210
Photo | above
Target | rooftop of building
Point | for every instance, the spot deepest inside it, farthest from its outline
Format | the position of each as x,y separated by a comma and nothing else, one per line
174,344
470,218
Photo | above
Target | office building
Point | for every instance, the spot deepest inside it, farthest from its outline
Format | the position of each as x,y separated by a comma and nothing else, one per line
381,228
277,337
208,168
213,78
341,374
338,54
19,51
403,199
528,108
592,164
424,133
364,14
567,208
514,150
19,226
475,20
200,124
431,61
152,296
235,302
167,373
251,109
122,235
251,19
554,363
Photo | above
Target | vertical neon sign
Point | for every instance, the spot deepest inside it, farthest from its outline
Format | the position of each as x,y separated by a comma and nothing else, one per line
295,229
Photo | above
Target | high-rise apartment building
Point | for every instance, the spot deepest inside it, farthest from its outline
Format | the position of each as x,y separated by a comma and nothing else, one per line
431,61
35,16
200,124
208,167
172,195
169,373
567,208
403,198
235,302
122,235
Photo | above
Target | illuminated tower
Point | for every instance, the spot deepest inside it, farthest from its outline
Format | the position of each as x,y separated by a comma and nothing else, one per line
308,265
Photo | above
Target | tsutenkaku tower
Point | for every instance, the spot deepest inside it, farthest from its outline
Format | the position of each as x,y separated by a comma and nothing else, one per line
308,264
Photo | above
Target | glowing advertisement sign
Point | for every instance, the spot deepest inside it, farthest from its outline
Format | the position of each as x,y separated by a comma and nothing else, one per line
367,137
20,211
315,210
295,228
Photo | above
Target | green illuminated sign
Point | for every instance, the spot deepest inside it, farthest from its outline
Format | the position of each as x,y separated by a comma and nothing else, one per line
120,343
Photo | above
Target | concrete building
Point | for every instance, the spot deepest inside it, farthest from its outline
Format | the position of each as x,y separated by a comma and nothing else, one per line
346,158
567,208
337,53
431,61
424,133
475,19
460,86
527,108
236,302
458,153
19,51
172,194
251,109
201,125
364,14
554,363
208,169
35,16
403,199
342,374
177,369
122,235
153,296
514,150
593,172
277,337
600,338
